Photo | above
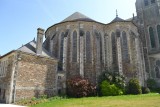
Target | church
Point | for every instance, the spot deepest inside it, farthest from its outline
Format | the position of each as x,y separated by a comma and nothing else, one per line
81,46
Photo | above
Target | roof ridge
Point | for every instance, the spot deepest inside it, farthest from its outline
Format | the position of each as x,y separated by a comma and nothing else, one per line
77,16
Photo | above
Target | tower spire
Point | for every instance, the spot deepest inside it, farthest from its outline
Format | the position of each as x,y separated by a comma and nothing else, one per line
116,13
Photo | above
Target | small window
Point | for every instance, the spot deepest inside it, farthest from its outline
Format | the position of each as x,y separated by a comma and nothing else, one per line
152,1
146,2
4,92
59,77
59,91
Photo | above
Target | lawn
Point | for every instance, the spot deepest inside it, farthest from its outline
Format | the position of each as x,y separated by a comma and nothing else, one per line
148,100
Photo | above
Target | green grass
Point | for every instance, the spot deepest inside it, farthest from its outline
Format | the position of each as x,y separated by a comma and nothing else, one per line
148,100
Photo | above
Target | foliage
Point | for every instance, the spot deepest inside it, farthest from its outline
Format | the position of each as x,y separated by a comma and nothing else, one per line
145,90
34,100
110,90
151,83
43,96
134,87
112,77
79,87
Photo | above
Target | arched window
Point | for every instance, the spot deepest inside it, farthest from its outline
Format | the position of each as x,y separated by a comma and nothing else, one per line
158,63
114,48
88,47
152,38
152,1
158,32
157,72
74,47
146,2
61,46
125,55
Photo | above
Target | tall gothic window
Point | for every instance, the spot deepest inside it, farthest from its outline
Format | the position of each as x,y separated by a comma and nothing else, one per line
125,55
74,47
146,2
97,44
158,32
88,47
152,38
114,48
101,56
61,47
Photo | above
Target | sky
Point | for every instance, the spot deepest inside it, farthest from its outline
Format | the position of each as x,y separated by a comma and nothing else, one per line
19,19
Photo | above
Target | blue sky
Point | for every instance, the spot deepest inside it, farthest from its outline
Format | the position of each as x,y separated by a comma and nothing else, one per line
19,19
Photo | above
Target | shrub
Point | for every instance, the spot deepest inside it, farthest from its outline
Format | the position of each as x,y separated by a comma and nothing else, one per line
43,96
109,90
112,77
79,87
134,87
145,90
151,83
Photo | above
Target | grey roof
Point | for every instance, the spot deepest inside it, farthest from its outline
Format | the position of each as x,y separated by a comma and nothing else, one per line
130,19
117,19
77,17
31,48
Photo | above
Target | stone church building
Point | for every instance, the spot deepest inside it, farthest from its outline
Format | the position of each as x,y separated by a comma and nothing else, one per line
81,46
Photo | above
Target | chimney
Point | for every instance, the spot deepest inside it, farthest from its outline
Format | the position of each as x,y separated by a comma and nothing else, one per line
40,33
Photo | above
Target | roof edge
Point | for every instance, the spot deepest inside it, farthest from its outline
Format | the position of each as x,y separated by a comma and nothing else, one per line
87,21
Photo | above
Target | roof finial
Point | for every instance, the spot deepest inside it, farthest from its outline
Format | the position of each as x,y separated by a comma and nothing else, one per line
133,16
116,13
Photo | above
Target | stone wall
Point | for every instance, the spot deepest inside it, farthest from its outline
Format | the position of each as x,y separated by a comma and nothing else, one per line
36,75
5,79
101,48
155,68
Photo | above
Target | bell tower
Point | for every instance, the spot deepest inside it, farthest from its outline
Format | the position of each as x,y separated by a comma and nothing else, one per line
148,15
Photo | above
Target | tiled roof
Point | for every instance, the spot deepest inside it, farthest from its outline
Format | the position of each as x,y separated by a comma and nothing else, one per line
77,17
117,19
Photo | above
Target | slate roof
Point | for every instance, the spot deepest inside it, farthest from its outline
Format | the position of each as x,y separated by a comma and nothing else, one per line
117,19
131,19
31,48
77,17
